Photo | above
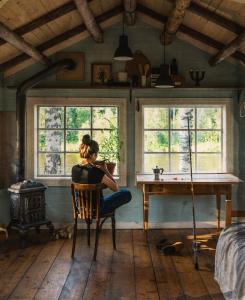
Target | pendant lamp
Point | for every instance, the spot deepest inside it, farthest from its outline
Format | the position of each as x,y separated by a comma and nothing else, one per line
164,80
123,52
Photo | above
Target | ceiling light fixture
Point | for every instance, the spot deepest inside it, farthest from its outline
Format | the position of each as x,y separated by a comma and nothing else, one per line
123,52
164,80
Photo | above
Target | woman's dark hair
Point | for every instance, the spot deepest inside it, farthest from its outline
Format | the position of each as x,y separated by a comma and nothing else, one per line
88,147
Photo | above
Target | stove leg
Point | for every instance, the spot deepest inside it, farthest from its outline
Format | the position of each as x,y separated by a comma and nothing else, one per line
23,236
51,229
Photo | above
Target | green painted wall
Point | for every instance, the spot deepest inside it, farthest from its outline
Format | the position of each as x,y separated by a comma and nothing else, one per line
145,38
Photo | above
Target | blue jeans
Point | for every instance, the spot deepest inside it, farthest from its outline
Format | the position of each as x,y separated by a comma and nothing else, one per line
115,200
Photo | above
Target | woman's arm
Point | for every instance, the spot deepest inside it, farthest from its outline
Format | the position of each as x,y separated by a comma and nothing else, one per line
112,184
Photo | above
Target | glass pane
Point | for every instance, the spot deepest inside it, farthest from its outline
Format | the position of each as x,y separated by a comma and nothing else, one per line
74,139
180,141
178,117
209,163
155,118
78,117
51,140
156,141
105,117
153,160
208,141
180,163
50,164
109,143
209,118
71,160
51,117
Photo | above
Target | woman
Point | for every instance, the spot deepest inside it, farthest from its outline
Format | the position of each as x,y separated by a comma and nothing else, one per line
88,172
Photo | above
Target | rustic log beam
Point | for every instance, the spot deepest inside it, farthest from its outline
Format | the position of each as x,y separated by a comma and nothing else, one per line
228,50
19,43
89,20
61,38
174,21
130,11
213,17
3,2
196,35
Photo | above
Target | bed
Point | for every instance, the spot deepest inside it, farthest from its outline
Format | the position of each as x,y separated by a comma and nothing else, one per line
230,257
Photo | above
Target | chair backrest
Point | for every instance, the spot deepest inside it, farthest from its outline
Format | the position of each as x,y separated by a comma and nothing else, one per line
86,200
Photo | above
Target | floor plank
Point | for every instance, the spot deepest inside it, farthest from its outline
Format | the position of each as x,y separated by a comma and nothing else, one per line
167,279
29,284
137,270
146,287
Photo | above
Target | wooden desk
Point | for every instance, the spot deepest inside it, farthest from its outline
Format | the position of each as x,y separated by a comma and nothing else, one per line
204,184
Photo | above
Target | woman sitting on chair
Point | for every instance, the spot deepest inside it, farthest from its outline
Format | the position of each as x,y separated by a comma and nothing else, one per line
90,173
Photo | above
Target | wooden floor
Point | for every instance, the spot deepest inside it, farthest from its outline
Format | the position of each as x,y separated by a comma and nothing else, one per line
135,271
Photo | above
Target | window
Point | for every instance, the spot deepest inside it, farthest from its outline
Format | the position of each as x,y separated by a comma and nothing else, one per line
59,129
165,140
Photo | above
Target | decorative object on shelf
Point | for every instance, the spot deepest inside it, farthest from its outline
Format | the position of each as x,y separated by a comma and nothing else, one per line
100,73
139,66
155,73
123,52
4,232
157,172
197,76
164,80
122,76
27,207
78,73
178,80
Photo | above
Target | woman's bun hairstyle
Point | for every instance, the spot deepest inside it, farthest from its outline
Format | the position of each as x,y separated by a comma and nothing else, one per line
88,147
86,139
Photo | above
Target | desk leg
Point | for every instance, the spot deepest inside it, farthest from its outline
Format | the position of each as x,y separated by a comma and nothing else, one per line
218,204
145,209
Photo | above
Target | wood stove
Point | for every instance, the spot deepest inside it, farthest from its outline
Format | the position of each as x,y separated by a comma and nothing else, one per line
27,207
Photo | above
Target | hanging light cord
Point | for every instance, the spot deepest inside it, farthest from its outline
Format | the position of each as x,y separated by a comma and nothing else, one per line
164,31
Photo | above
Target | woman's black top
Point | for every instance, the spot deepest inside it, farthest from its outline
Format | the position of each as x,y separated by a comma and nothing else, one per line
87,174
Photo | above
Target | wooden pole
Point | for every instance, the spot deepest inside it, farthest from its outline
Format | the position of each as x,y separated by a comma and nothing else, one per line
19,43
129,11
228,50
89,20
174,21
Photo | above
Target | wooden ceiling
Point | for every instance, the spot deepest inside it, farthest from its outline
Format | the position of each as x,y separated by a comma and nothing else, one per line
48,26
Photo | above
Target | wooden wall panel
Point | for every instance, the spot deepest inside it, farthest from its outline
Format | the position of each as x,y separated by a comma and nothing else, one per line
7,148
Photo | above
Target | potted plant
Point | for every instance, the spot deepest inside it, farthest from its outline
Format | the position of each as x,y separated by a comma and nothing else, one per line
111,149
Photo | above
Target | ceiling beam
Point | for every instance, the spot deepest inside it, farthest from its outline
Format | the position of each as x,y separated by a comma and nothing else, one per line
228,50
213,17
61,38
174,21
88,18
130,11
194,34
40,21
3,2
18,42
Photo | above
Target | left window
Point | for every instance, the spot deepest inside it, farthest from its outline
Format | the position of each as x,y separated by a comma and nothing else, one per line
58,130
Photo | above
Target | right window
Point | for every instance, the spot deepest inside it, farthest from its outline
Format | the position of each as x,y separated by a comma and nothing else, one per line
165,138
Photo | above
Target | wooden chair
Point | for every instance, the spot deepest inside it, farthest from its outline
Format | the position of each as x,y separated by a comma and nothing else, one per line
86,206
229,213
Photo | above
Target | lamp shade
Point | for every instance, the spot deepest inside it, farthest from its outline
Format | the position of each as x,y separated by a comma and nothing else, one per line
123,52
164,80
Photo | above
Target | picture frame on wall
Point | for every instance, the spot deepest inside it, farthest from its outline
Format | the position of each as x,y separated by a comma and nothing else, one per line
101,73
78,73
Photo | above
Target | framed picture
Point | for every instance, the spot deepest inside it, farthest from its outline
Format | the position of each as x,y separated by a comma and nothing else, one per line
100,73
78,72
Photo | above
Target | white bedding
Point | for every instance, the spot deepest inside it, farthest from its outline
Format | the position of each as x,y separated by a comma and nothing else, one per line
230,262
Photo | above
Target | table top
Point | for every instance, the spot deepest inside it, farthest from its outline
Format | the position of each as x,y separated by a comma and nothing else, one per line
218,178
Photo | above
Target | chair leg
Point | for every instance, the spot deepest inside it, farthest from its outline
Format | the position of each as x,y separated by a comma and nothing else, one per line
113,224
96,239
74,237
88,232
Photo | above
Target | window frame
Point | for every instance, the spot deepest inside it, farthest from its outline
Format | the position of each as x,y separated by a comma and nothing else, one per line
31,133
175,102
